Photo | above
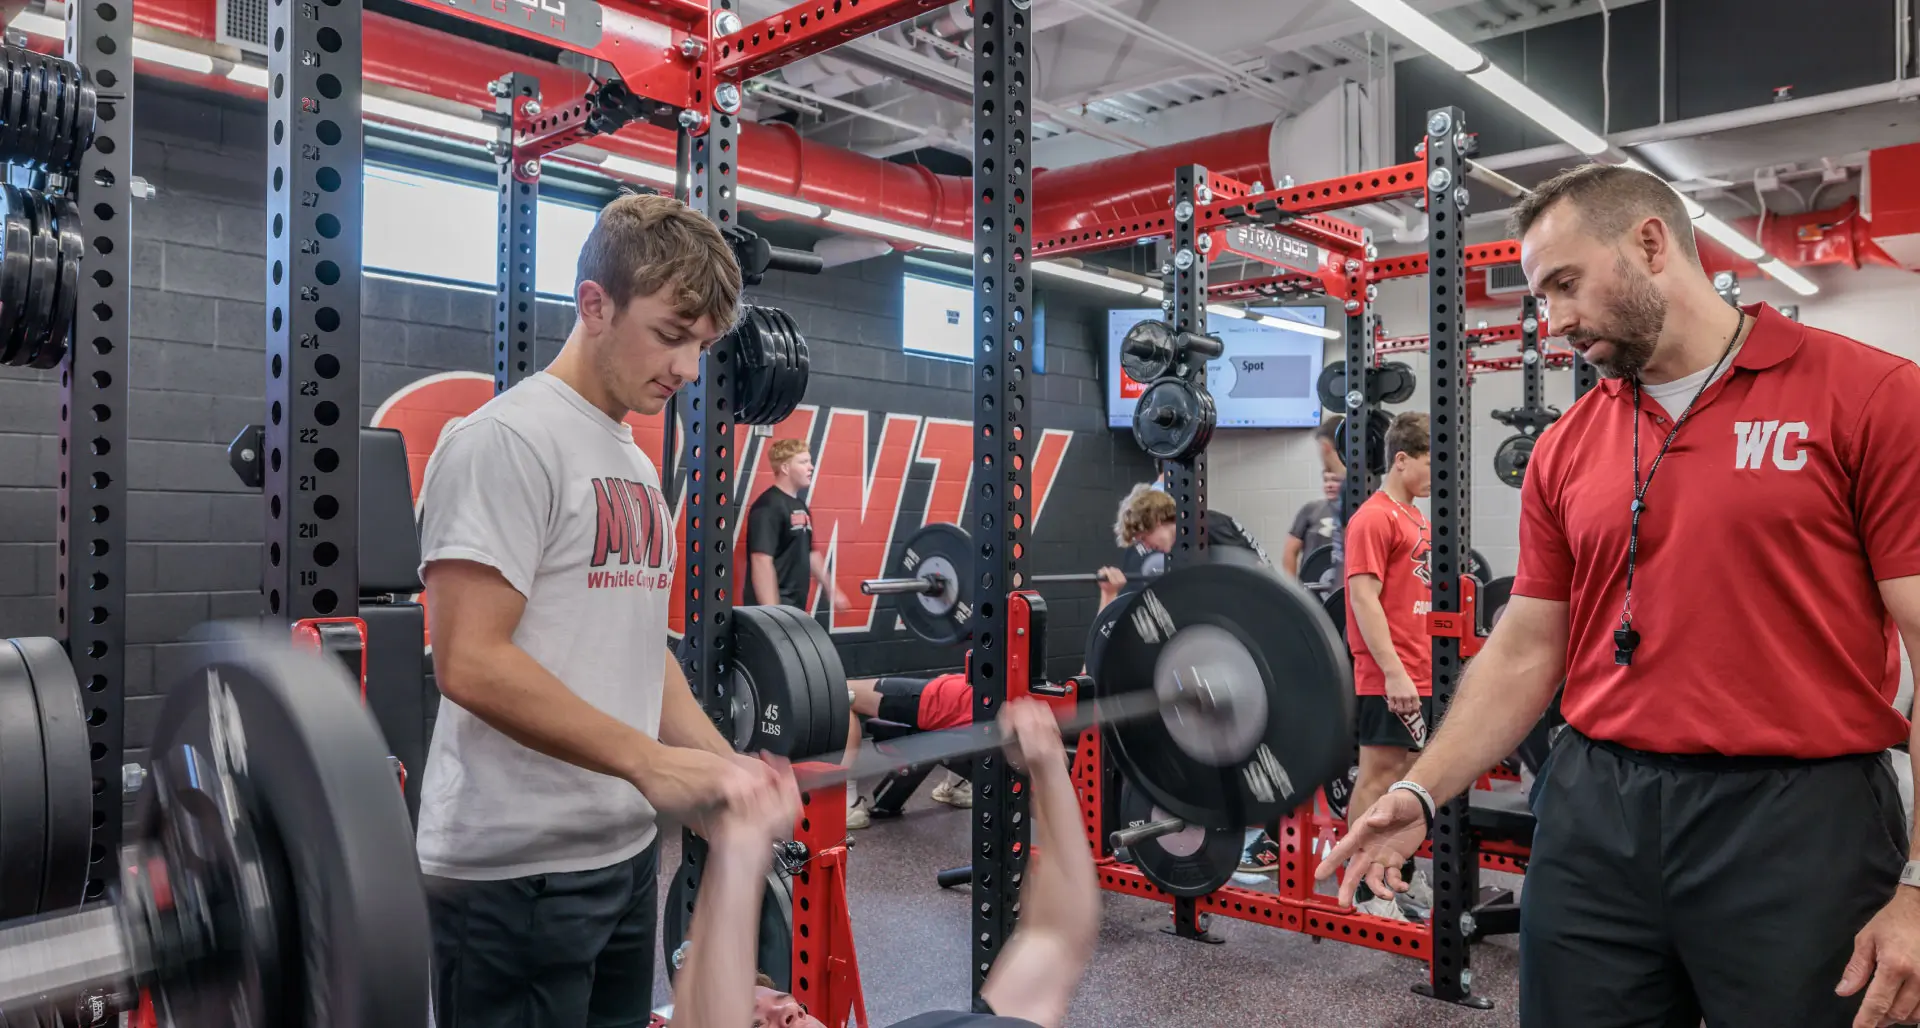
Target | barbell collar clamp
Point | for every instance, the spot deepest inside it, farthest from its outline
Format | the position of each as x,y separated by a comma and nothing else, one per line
1128,838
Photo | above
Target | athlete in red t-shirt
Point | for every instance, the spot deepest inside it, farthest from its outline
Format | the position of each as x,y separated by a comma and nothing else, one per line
1387,600
1719,834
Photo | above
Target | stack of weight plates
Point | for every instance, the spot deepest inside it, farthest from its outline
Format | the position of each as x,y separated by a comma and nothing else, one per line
46,781
46,111
772,375
40,250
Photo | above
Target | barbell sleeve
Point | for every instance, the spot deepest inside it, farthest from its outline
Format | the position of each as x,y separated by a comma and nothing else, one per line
1206,346
54,959
1088,577
902,586
1127,838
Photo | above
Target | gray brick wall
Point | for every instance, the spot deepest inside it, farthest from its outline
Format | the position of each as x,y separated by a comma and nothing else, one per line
198,376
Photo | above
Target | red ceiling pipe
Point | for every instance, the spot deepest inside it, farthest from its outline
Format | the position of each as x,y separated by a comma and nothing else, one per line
1140,184
774,158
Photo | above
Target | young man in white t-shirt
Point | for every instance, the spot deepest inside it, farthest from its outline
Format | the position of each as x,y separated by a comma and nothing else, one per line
566,725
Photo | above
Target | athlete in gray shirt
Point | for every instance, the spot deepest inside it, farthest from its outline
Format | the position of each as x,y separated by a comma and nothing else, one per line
565,725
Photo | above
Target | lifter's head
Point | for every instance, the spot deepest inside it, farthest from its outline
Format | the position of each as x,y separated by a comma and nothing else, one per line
656,286
1146,516
790,462
1610,249
775,1009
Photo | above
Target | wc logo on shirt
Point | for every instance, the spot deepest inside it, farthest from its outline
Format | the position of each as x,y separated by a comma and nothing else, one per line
1750,449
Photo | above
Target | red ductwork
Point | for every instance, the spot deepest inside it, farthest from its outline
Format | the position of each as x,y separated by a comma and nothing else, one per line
1838,235
774,157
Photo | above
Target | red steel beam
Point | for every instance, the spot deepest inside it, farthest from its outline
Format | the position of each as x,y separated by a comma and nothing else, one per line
1269,287
1485,255
806,29
1305,205
1327,922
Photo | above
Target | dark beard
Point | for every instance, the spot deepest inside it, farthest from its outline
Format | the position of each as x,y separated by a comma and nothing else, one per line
1638,314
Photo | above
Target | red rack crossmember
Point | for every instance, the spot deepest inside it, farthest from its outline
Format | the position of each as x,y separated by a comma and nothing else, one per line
646,41
1483,336
1485,255
1296,211
806,29
1548,360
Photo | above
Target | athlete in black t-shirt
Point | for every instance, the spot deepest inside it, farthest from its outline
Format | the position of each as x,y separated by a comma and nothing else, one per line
1032,980
780,553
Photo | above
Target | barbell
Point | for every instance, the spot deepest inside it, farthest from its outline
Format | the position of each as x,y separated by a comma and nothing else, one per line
271,879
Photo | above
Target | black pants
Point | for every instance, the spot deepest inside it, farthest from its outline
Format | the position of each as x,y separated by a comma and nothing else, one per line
568,950
1663,890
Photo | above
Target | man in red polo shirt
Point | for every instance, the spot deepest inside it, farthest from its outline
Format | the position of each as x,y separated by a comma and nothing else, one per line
1719,552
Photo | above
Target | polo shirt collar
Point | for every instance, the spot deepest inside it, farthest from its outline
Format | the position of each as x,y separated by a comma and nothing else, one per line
1773,338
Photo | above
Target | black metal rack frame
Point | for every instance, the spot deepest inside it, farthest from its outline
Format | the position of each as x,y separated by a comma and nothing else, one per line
92,555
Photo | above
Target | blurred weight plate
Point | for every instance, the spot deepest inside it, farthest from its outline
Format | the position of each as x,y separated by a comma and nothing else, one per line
1314,566
1173,419
943,550
1332,387
800,363
1192,862
1335,607
13,101
1511,459
1239,628
72,246
33,114
16,267
69,772
1378,421
23,791
1339,788
45,251
1493,600
775,951
1397,383
83,122
270,771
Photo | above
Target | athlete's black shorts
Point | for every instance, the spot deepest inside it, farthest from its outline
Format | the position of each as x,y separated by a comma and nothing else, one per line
900,698
1375,725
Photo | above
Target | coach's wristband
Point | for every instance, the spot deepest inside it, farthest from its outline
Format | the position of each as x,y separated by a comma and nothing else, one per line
1420,793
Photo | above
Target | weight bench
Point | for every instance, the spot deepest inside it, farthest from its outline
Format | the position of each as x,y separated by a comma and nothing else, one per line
891,795
1504,816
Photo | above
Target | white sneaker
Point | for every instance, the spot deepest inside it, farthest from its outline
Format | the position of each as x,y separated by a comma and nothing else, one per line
1418,899
1380,906
857,816
954,793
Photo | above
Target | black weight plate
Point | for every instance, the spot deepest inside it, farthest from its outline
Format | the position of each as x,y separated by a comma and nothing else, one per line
1399,385
1511,459
1478,567
944,550
1170,420
1147,350
814,681
1102,628
1493,600
779,361
1314,566
13,136
750,371
69,765
766,669
1225,623
59,115
1376,455
1332,387
775,951
84,121
1193,862
802,358
1339,789
1335,608
45,250
16,267
835,701
280,741
71,247
23,791
33,117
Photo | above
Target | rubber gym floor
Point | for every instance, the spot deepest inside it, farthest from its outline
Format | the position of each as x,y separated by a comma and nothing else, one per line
913,947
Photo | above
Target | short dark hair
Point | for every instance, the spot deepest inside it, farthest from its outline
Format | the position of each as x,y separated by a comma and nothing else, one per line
1408,435
1611,199
1328,426
641,244
761,979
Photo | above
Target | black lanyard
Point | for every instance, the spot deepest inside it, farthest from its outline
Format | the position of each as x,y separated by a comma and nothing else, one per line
1625,639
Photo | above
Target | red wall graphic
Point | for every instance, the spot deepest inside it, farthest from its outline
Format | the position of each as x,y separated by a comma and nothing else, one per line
863,461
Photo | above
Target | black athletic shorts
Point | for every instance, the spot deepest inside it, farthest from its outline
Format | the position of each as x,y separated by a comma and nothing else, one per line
1375,725
546,951
900,698
1665,889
